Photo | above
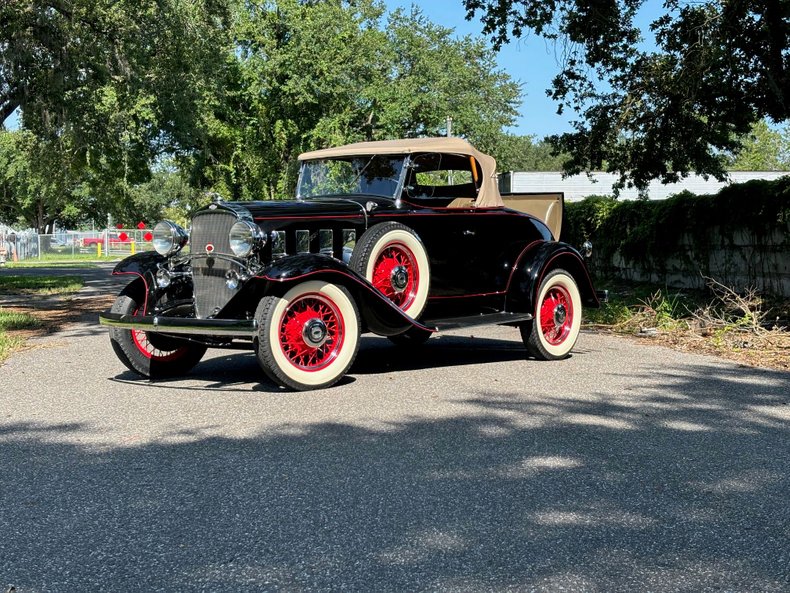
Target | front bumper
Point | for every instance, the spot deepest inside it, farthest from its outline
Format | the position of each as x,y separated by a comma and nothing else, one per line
180,326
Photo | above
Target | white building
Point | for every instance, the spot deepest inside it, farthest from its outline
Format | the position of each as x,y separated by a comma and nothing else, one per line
578,187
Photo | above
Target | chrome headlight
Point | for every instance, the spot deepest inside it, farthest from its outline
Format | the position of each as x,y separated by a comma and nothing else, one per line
245,236
169,238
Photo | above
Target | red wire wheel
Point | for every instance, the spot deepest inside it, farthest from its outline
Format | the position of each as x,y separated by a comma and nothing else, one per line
311,332
309,337
393,259
148,354
556,315
397,275
552,334
148,348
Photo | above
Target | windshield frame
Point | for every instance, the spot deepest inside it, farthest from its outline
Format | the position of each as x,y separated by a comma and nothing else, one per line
396,195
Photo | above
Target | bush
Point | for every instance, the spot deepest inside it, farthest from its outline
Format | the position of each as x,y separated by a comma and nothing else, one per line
683,227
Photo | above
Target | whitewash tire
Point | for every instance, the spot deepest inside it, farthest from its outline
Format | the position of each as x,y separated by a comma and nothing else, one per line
283,351
386,246
549,336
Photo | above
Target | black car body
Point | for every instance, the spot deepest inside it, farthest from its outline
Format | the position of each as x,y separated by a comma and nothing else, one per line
398,238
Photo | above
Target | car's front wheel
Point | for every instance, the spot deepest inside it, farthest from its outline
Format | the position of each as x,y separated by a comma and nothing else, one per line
148,354
553,332
309,337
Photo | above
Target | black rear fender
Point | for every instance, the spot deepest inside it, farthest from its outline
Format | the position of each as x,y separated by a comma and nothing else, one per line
532,267
379,314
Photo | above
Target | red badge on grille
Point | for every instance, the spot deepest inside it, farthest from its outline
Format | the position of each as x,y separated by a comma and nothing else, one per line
210,248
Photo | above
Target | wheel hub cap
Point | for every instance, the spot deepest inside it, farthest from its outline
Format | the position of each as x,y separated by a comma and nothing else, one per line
560,314
315,333
399,278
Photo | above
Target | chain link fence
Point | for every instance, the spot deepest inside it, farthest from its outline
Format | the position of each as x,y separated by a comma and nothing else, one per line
28,245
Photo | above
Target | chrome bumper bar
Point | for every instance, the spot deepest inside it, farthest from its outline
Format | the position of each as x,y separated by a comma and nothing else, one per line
181,326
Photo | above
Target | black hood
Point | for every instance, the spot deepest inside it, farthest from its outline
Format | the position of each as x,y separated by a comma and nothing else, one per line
288,209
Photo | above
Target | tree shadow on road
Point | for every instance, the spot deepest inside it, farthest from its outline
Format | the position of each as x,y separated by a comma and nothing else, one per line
676,486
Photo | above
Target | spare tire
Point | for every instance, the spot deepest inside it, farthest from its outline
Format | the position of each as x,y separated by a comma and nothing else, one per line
393,259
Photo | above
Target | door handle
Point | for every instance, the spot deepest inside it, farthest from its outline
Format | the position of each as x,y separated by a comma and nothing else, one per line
469,233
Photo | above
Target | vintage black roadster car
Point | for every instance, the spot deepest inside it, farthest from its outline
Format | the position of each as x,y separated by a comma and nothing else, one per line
399,238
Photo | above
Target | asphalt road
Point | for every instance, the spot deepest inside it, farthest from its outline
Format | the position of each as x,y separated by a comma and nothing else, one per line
459,466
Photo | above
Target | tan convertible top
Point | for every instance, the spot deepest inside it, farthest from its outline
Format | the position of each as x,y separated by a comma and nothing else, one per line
487,197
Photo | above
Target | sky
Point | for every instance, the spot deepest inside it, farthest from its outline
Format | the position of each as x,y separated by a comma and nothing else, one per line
530,61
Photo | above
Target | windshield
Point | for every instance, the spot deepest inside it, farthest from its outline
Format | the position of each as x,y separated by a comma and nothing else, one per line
370,175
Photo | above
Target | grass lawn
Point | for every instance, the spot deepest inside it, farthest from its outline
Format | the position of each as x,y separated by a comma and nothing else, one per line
43,285
15,321
64,259
8,344
34,263
10,320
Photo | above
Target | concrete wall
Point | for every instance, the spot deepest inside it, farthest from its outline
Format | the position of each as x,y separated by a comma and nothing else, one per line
741,260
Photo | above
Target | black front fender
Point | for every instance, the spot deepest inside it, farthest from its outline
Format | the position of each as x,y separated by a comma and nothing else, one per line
378,313
144,266
140,263
536,261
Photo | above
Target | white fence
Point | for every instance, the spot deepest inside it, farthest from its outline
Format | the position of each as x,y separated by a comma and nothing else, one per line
29,245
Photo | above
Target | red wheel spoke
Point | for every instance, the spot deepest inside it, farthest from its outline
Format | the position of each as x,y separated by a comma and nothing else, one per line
144,345
556,315
301,353
392,257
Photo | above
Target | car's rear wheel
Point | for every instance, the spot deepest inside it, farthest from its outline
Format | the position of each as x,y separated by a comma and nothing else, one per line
149,354
553,332
309,337
392,257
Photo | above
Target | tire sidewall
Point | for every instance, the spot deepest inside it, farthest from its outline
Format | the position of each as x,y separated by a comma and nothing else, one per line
270,330
128,351
564,280
402,236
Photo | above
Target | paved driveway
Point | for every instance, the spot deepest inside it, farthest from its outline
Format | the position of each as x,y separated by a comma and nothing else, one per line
457,467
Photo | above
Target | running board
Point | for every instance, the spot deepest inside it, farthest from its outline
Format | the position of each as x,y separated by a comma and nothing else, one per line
473,320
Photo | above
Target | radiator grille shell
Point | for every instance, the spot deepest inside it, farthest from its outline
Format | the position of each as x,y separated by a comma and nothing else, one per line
210,250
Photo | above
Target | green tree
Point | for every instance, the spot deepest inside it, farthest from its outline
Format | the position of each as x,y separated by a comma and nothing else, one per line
228,92
37,186
524,153
764,149
112,84
720,66
316,74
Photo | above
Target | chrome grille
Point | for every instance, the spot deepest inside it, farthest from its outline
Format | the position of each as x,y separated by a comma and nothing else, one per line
208,266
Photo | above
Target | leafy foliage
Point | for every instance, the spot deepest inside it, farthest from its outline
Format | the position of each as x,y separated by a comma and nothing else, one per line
719,67
652,233
524,153
372,79
763,149
132,107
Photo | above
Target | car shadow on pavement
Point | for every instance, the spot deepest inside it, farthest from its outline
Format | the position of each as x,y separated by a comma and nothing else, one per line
376,355
678,485
379,355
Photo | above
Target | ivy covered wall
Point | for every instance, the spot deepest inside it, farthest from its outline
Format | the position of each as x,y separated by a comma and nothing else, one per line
739,236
